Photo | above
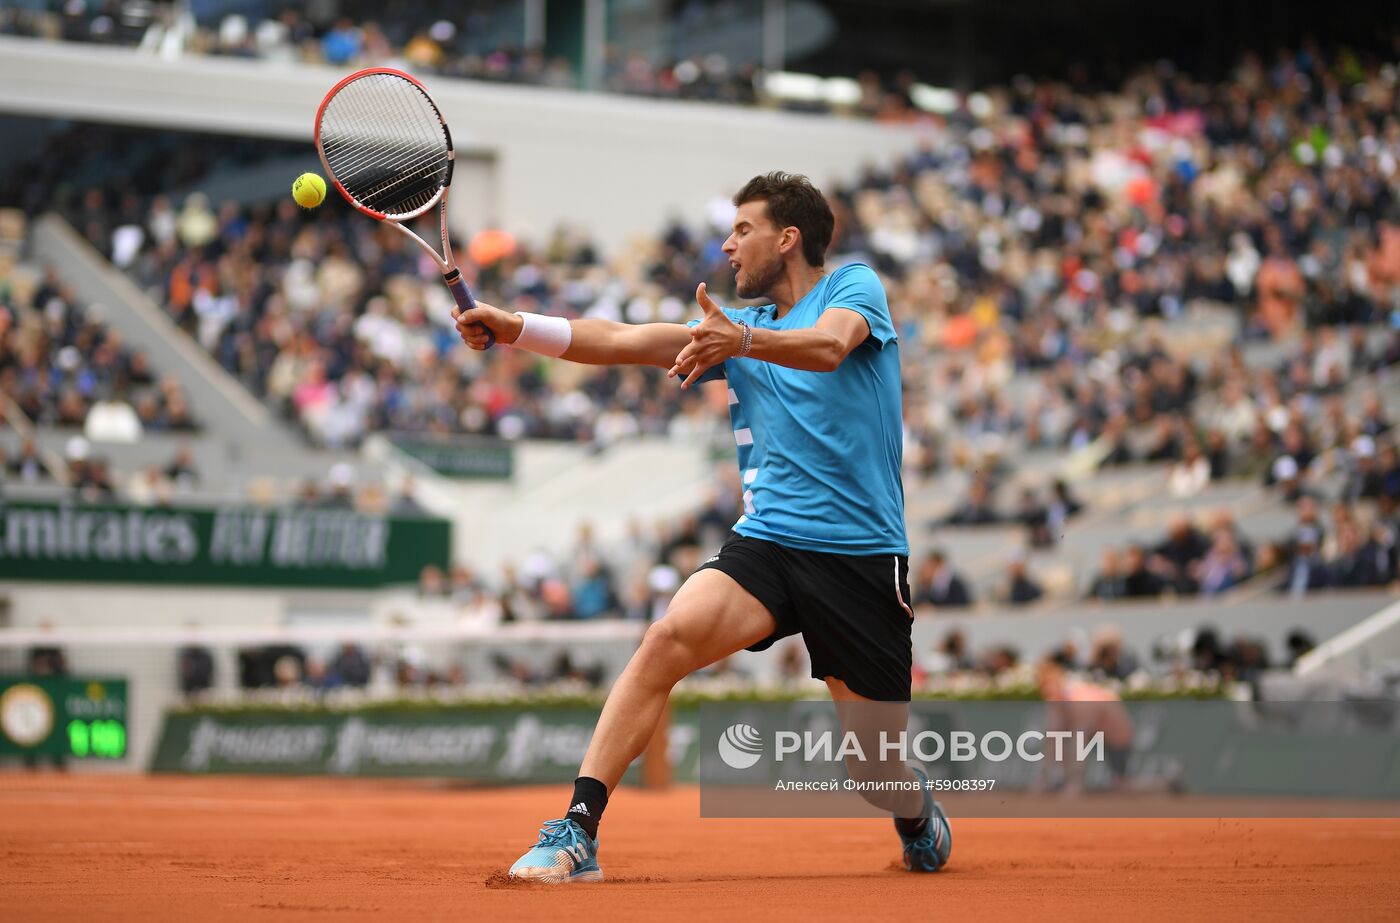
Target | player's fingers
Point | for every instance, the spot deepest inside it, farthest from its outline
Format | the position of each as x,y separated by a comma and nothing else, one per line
471,321
707,304
681,367
684,359
695,373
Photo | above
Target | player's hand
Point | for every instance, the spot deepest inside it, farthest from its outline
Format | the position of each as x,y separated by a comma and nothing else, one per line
472,325
713,340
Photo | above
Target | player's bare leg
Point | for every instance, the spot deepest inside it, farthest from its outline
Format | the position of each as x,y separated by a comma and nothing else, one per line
710,618
894,786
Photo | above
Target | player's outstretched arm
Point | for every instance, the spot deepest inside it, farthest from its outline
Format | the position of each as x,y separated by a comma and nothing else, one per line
606,342
591,341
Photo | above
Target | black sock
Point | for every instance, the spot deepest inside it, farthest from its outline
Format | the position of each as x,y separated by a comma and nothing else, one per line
910,826
590,798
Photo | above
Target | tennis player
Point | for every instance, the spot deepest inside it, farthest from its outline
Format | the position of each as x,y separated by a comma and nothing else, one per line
821,550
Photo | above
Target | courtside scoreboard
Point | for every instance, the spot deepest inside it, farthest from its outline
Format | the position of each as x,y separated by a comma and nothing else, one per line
62,717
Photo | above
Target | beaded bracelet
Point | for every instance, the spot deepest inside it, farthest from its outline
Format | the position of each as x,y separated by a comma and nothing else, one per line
746,343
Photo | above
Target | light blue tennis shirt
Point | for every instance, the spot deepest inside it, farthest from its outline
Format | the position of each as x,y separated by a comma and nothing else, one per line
820,452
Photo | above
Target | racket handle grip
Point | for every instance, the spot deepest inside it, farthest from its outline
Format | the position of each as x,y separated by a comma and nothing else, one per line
465,301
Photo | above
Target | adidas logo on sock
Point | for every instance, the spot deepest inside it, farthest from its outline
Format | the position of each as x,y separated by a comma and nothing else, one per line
580,808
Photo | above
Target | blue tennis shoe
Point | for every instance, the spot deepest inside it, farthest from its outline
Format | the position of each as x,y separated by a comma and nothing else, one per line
929,851
563,854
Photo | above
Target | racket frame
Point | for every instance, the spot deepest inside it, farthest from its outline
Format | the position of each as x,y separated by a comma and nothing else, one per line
446,261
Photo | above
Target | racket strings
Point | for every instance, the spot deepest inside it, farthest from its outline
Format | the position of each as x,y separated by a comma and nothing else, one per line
394,178
384,142
370,112
382,139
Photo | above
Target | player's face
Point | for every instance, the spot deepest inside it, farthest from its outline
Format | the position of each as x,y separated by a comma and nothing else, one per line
753,251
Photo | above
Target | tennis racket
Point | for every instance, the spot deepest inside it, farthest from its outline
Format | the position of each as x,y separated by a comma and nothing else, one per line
385,145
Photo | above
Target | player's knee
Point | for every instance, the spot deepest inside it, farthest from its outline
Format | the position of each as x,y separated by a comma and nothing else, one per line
663,645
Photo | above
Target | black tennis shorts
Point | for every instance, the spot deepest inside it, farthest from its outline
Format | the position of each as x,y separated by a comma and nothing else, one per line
852,610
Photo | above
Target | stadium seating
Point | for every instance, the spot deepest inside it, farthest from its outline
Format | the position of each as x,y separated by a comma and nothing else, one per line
1083,292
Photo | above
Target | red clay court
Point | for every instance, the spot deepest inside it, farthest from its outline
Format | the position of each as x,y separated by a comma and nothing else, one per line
87,848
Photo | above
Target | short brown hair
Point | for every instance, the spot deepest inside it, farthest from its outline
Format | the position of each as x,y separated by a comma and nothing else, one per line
794,202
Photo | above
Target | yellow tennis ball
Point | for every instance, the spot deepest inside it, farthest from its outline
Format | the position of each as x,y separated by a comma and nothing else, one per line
309,190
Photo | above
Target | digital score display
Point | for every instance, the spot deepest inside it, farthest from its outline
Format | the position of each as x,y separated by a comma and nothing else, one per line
77,717
105,739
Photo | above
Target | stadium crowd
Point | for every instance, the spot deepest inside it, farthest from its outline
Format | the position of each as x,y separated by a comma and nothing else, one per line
1060,270
1029,244
1200,661
61,367
439,39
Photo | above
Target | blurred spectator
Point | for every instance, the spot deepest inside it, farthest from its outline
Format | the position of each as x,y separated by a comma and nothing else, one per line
950,656
342,43
1175,559
196,669
275,665
341,494
46,659
1307,571
1062,507
112,420
1218,455
181,472
938,585
1223,566
404,503
1388,470
431,583
350,667
1036,519
998,660
1207,655
463,586
1108,657
91,480
1191,474
592,589
308,494
1138,579
26,466
976,509
1298,643
1357,563
1018,588
1111,583
1309,518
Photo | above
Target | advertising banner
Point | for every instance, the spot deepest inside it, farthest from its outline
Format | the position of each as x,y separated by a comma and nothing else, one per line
233,546
505,745
460,457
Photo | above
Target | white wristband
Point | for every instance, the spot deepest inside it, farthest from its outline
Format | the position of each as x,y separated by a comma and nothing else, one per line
548,336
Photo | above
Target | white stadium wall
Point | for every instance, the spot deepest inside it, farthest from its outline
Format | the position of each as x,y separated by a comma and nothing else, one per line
536,157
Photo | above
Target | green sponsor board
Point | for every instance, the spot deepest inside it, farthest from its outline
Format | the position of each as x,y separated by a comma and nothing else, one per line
504,745
237,546
63,717
460,458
